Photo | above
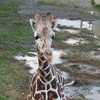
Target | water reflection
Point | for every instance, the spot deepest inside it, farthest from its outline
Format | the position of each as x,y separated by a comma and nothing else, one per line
73,26
76,41
73,23
94,54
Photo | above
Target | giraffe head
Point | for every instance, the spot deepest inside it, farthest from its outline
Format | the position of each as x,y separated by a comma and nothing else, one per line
43,34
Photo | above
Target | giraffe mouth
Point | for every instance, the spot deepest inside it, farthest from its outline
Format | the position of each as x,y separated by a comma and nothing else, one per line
48,52
48,55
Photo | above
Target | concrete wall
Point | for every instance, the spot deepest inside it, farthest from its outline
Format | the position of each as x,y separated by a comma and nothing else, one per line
97,1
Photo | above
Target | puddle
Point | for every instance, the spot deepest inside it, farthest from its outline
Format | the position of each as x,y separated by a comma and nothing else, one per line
71,31
74,26
84,92
65,75
56,56
98,49
95,94
32,61
90,92
95,54
91,12
73,23
76,41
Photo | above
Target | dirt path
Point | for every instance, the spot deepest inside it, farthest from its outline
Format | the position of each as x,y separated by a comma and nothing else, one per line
74,10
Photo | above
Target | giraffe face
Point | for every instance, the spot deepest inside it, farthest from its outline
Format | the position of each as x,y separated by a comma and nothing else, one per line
43,33
43,39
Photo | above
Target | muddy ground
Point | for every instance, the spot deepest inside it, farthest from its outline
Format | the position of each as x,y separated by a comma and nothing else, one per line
74,10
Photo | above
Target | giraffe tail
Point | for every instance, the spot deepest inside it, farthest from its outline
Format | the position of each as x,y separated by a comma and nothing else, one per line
71,83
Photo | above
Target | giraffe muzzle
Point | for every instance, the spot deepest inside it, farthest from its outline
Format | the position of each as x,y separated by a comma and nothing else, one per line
48,52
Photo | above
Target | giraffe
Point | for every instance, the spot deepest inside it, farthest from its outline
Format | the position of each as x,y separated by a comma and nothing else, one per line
47,83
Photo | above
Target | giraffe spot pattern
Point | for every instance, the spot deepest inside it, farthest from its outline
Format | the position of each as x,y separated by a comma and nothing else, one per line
54,83
52,95
40,85
48,86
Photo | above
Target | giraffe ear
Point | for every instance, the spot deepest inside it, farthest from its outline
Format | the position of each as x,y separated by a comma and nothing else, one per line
54,24
49,19
33,24
38,19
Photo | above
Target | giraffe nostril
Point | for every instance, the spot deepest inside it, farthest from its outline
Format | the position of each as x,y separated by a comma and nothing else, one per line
48,52
41,54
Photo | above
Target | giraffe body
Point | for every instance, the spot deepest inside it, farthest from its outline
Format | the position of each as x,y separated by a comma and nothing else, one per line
48,82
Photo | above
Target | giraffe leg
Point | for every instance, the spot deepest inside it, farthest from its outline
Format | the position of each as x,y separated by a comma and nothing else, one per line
63,96
64,99
29,95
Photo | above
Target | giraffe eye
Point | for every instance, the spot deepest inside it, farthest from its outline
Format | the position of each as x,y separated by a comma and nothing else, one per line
53,37
37,37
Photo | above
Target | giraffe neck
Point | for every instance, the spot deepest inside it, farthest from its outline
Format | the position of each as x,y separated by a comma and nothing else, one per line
47,83
45,68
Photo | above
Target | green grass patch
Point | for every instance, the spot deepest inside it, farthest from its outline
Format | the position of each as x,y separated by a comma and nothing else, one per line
75,58
14,32
4,98
57,42
53,3
84,33
15,37
93,45
67,27
97,6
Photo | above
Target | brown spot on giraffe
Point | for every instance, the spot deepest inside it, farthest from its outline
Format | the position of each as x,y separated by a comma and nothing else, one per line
40,85
52,95
54,83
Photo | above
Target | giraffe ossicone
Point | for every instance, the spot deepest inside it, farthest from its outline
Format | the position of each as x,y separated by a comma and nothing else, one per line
48,82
